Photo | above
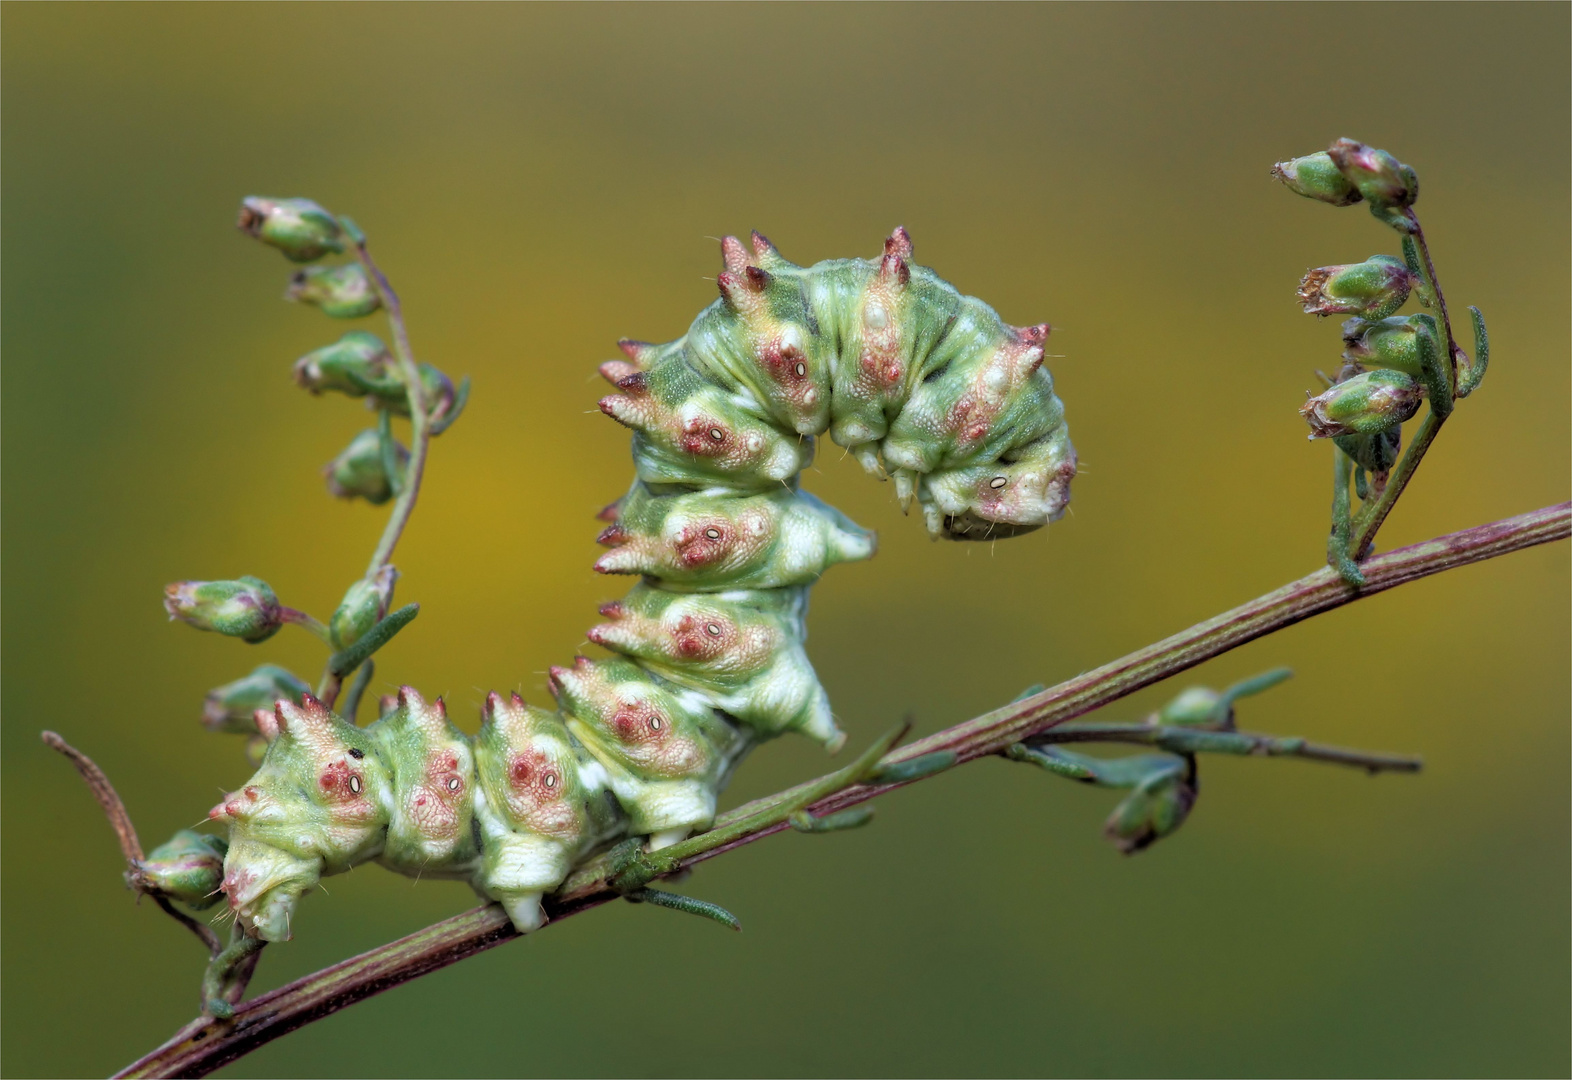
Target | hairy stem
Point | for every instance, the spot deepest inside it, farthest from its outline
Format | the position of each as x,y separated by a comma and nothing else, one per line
1435,285
205,1044
420,421
1372,515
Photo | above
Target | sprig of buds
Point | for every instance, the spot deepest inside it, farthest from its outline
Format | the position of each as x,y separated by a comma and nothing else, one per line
1391,364
1164,786
375,466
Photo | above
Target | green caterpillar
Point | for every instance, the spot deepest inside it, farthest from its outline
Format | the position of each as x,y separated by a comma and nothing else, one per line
921,383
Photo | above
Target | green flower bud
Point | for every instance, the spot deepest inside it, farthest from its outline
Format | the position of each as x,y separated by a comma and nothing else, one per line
356,364
299,228
1157,807
188,868
1385,182
1317,177
245,608
1197,705
231,707
1363,405
344,292
360,472
363,607
1375,453
1372,289
1389,343
438,388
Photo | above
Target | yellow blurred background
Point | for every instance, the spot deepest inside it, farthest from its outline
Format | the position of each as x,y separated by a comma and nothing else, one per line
540,180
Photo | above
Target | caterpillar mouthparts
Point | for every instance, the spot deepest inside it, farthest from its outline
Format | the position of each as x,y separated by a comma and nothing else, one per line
920,383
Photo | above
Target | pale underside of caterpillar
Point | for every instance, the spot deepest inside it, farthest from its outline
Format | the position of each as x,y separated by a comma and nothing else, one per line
922,384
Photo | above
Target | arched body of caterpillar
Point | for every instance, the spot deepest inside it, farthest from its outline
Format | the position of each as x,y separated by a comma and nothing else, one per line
919,382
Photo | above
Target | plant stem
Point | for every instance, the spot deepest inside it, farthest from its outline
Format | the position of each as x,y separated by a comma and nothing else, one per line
1435,284
205,1044
125,832
1199,740
420,421
304,621
1371,516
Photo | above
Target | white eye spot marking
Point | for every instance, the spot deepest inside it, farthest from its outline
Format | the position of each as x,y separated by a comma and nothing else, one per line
551,780
717,434
876,317
354,784
453,783
712,534
712,629
997,482
800,370
655,723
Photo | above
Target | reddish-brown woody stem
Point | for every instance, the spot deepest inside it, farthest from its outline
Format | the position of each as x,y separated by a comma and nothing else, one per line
206,1044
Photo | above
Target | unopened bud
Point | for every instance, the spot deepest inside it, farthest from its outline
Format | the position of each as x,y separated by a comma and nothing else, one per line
360,471
1375,453
356,364
1389,343
188,868
299,228
344,292
1372,289
1385,182
363,606
1153,810
435,384
232,707
1195,706
1317,177
1363,405
245,608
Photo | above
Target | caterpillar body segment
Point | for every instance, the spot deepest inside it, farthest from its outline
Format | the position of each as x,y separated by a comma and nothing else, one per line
707,658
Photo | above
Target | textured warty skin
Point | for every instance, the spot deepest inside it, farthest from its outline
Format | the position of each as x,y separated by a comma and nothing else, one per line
921,384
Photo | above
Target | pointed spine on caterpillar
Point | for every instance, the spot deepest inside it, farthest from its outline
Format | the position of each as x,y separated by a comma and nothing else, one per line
707,658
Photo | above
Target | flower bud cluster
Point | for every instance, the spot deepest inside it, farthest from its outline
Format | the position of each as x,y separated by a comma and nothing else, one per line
1348,172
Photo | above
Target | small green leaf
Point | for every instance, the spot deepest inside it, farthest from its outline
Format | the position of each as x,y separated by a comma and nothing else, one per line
342,663
677,902
853,818
913,769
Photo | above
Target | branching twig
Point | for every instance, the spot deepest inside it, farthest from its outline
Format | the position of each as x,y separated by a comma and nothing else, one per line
130,846
206,1044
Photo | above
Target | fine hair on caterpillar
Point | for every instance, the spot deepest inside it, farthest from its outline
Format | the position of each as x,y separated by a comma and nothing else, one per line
920,383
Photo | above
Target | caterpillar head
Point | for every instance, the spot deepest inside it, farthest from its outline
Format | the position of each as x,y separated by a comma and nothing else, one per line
1023,491
615,707
526,757
434,774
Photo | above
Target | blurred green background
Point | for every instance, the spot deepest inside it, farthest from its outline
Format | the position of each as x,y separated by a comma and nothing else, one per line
540,180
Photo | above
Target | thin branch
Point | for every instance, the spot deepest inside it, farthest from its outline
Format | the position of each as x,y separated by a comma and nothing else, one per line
1189,740
420,421
125,832
205,1044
